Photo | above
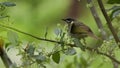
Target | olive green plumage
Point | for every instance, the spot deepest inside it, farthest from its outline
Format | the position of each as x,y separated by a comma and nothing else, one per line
79,30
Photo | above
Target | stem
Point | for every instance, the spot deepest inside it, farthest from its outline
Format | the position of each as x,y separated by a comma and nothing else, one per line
97,19
72,45
28,34
108,21
112,58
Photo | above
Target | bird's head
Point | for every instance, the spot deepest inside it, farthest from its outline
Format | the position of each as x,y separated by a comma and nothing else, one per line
68,20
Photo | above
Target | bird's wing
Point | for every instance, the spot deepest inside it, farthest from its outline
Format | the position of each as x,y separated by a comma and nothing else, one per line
80,28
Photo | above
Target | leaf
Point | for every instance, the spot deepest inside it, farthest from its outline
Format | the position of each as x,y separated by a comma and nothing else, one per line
8,4
1,17
12,37
115,12
40,58
70,51
46,32
78,43
62,37
57,31
56,57
30,49
113,2
56,48
114,8
62,40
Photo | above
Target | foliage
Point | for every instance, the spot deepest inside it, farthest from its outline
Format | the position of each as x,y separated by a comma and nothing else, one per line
115,12
36,54
113,1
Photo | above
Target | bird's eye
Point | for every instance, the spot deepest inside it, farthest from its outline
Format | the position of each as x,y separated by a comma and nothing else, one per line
68,21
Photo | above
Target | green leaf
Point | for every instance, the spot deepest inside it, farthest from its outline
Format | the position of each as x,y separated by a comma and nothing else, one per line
62,40
78,44
40,58
113,2
56,57
57,31
46,32
114,8
115,12
8,4
30,49
12,37
70,51
1,17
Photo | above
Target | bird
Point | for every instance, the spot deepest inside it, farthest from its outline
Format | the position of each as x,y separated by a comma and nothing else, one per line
78,29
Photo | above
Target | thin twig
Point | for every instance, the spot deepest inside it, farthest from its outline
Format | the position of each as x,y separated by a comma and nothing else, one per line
104,54
100,26
108,21
97,19
28,34
72,45
109,56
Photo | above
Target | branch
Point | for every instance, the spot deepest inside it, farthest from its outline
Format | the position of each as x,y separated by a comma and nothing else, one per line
108,21
72,45
28,34
97,19
100,25
104,54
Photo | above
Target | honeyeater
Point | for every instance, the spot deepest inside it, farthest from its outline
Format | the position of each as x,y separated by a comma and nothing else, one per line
79,30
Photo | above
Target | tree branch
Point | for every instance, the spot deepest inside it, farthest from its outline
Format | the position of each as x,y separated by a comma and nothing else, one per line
104,54
28,34
100,26
72,45
108,22
97,19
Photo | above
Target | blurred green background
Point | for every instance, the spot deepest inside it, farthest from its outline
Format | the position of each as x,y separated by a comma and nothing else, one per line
33,16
